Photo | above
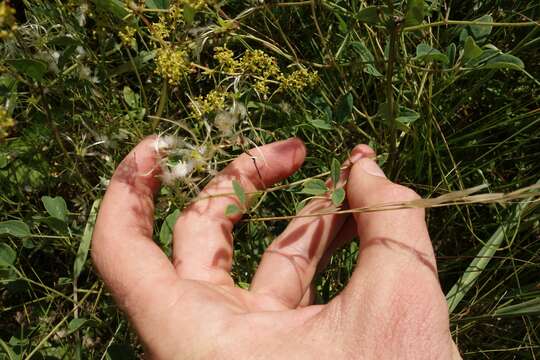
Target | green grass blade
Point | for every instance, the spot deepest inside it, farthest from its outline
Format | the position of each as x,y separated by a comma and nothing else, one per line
82,252
480,262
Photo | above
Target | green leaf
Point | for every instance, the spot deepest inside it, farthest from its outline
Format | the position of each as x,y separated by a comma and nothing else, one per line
384,111
344,108
451,53
360,48
342,24
315,187
166,231
320,124
335,171
504,61
4,160
232,210
82,252
372,14
415,12
406,115
372,70
116,7
471,50
338,196
243,285
15,228
477,266
56,207
7,255
75,324
426,52
8,92
64,41
480,32
58,226
11,355
529,307
239,192
368,15
189,14
157,4
130,97
32,68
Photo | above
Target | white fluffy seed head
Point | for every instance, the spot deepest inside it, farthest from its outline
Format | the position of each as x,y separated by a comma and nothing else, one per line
167,176
165,143
182,169
225,122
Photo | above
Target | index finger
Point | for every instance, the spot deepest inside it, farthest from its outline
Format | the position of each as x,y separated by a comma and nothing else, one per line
123,251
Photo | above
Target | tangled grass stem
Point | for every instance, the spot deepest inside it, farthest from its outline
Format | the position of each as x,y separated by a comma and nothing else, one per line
462,197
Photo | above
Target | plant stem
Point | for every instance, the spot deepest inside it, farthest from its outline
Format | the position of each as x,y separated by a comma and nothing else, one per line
463,22
394,28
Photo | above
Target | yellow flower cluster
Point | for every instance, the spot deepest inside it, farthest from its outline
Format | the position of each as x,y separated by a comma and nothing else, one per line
213,101
299,80
6,122
128,36
264,70
172,64
167,23
225,58
7,20
160,30
259,63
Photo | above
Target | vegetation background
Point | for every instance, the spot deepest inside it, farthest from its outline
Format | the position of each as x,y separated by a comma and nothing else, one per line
446,91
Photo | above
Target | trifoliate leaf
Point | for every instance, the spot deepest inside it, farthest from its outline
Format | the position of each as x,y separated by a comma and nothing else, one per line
338,196
315,187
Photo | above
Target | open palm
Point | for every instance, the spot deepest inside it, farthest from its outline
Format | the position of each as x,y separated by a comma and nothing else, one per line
189,308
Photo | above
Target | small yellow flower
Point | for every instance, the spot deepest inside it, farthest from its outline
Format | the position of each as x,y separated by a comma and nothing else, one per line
7,21
299,80
172,64
160,30
6,122
261,87
128,36
212,102
259,63
225,58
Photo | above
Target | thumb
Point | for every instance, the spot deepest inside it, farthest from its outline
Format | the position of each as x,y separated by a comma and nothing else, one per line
368,187
393,243
394,289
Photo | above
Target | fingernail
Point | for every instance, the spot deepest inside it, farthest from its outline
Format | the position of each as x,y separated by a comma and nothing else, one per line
372,168
355,156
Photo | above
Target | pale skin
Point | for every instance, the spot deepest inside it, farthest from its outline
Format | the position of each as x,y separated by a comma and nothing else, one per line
188,307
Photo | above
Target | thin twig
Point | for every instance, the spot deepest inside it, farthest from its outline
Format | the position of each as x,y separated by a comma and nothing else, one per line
443,200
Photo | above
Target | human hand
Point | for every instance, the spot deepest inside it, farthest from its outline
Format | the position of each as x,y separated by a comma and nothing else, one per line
189,308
